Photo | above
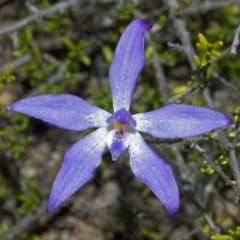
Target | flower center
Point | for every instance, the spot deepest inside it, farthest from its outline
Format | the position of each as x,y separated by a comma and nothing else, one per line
120,119
119,129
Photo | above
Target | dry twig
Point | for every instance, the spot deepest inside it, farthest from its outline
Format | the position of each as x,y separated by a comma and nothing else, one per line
40,14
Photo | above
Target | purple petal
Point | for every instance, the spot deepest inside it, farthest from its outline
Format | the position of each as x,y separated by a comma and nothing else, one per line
127,63
63,110
123,117
180,121
117,143
154,172
78,166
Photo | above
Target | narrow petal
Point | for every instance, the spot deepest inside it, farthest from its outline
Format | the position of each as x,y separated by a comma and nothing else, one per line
78,166
63,110
117,143
154,172
180,121
127,63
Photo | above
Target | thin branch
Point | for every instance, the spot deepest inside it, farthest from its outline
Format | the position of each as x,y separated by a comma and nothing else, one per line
235,41
181,163
46,12
229,147
180,95
217,168
184,37
159,141
31,7
182,32
175,46
210,222
235,141
207,97
17,62
226,83
162,141
207,6
25,223
222,54
191,233
54,78
233,162
159,73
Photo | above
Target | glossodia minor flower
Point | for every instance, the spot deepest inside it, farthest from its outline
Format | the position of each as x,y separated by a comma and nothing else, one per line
119,131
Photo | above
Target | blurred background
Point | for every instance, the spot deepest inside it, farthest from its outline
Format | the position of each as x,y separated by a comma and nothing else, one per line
192,57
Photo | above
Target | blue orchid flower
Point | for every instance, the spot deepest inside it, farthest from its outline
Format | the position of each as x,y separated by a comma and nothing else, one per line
119,131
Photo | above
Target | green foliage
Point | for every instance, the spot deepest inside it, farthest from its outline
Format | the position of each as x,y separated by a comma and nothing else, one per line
162,19
232,235
76,52
146,192
125,215
107,53
209,51
194,26
229,66
20,122
11,136
101,98
221,160
16,144
223,29
206,229
53,89
179,89
149,233
3,189
6,76
194,82
149,52
59,18
206,168
76,55
27,236
169,58
236,117
150,99
4,228
112,36
28,201
58,23
125,11
36,69
24,40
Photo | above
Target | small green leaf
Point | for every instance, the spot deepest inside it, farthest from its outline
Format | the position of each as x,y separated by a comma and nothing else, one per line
69,43
201,47
202,39
220,237
217,45
108,53
85,59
